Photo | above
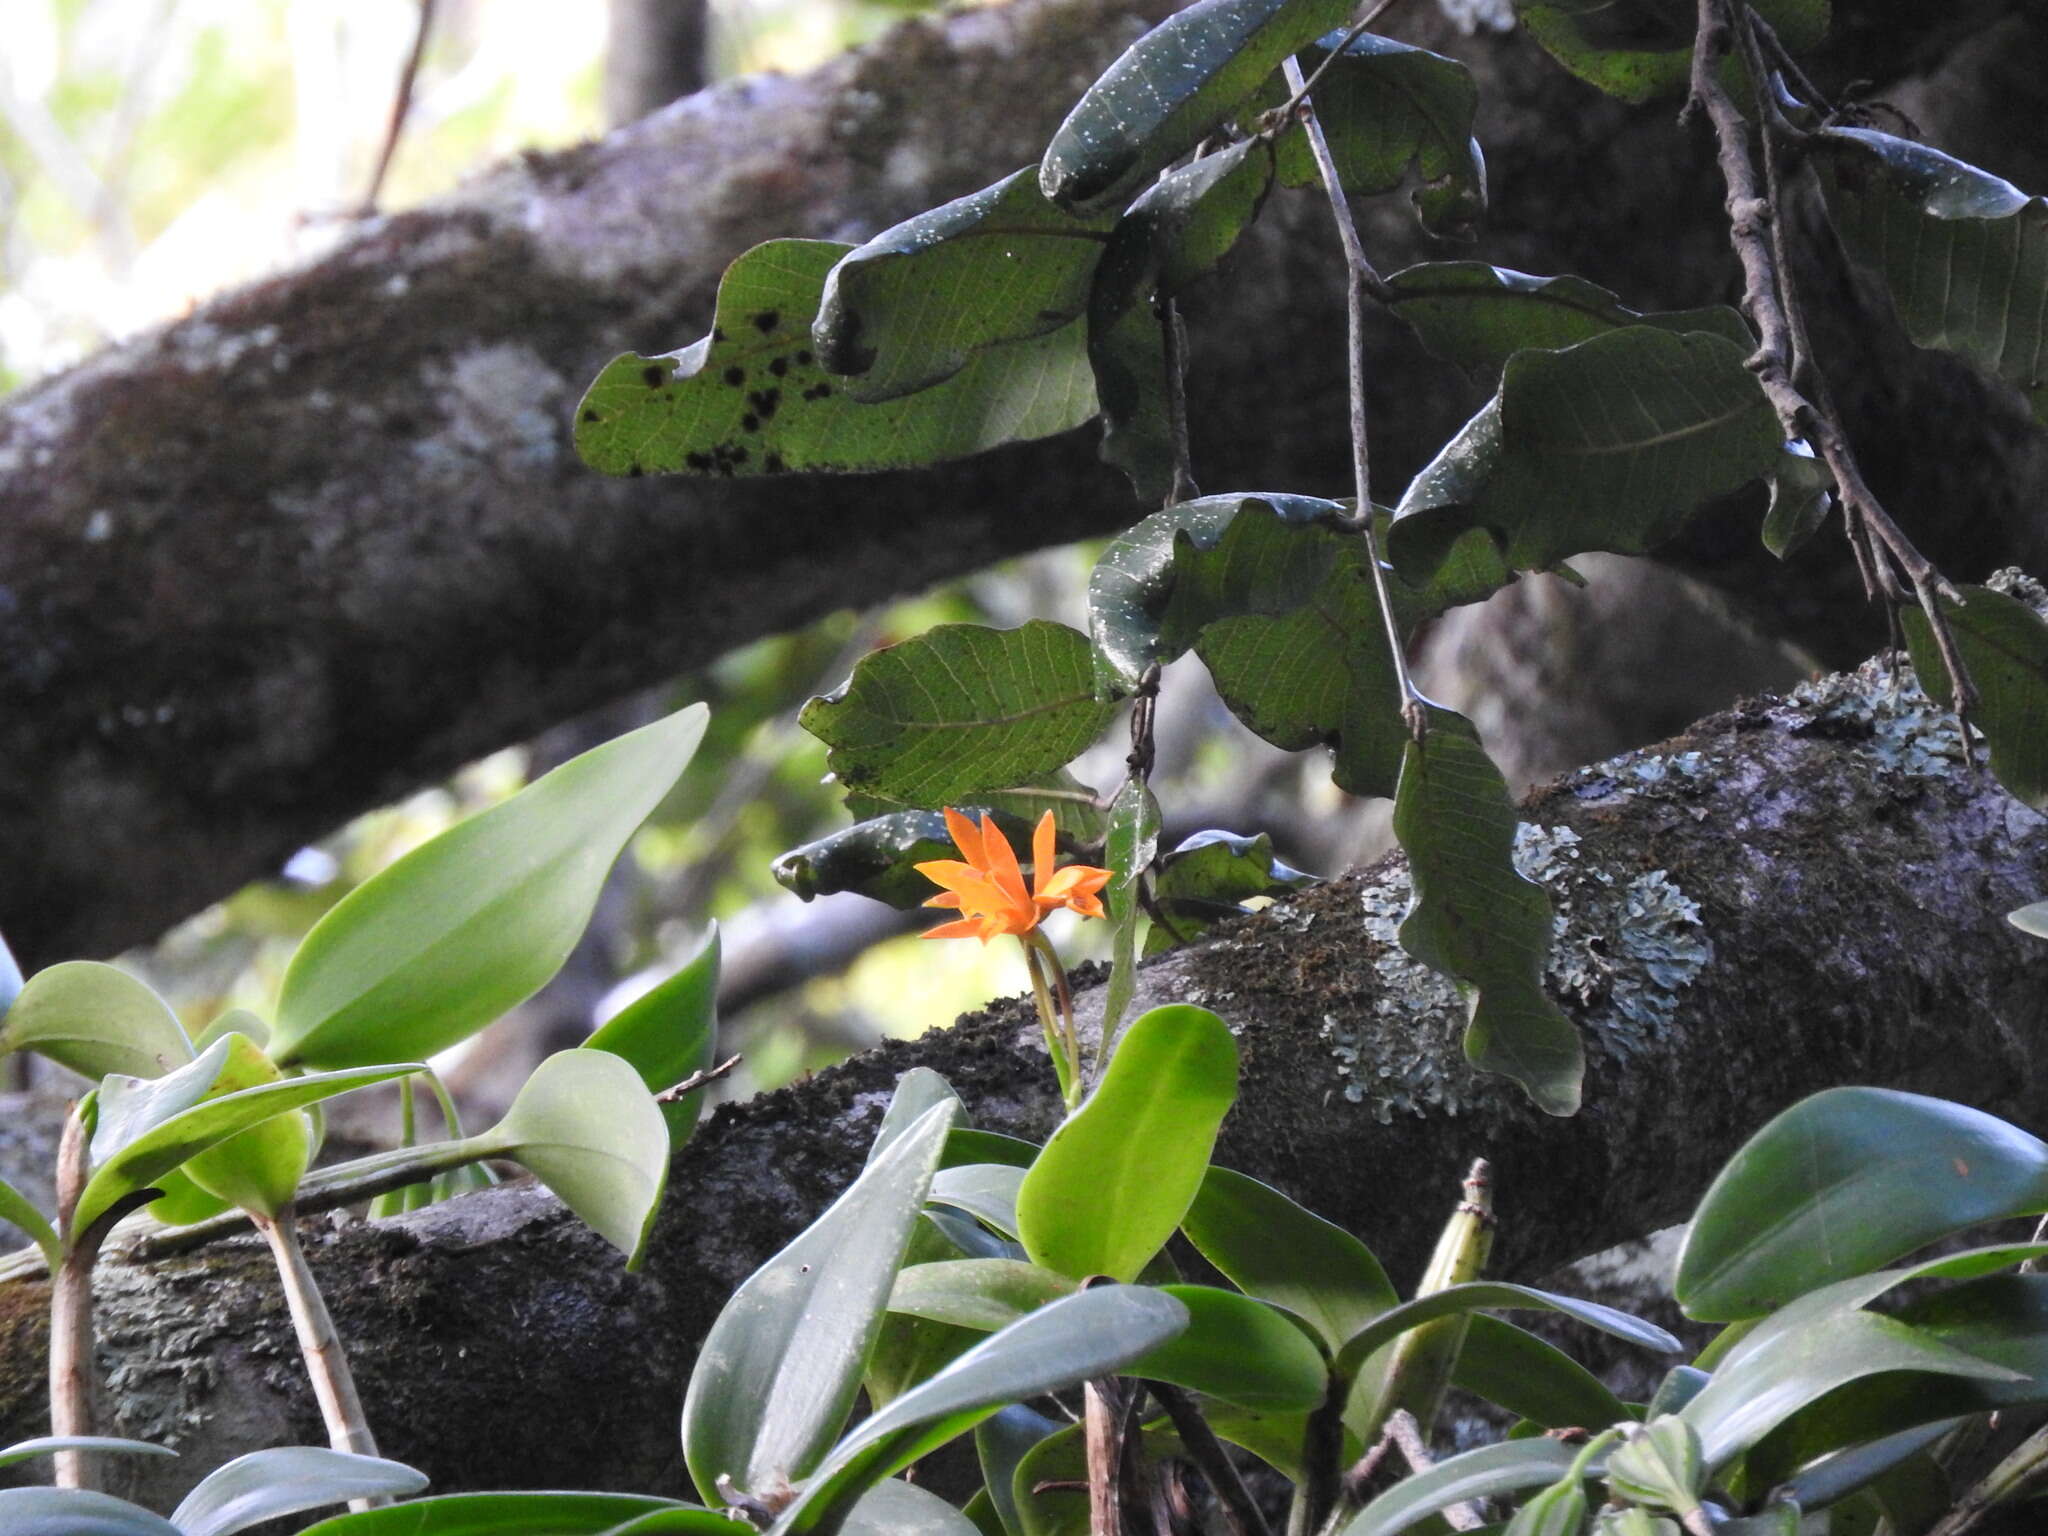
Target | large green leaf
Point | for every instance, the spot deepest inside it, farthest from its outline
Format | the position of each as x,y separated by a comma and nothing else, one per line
2004,646
1476,918
752,399
431,949
1842,1182
1074,1339
95,1019
1453,1299
1641,49
983,1294
910,1349
1531,1378
1210,877
1605,445
959,709
917,302
1478,316
1119,1174
1963,254
1168,90
585,1126
782,1365
1494,1469
896,1508
515,1514
1269,1247
669,1033
76,1512
283,1480
1238,1350
1001,1442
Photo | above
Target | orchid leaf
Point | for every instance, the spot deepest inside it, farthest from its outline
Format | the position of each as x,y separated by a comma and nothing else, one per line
985,1191
983,1294
258,1169
1470,1296
1639,50
1489,1471
50,1445
2004,646
10,979
1210,877
917,1091
96,1020
960,709
17,1209
283,1480
1531,1378
76,1512
669,1033
752,398
515,1514
896,1508
912,306
1661,1466
428,951
1239,1350
1001,1442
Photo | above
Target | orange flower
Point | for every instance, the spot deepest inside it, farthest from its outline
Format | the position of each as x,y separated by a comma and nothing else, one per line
988,889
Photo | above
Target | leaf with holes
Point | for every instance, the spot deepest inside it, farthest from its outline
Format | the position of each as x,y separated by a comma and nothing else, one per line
752,398
2004,646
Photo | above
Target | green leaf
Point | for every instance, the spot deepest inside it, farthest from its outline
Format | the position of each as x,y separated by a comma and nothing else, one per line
960,709
1532,1378
1474,916
17,1208
897,1508
1269,1247
431,949
1559,1510
1801,493
50,1445
149,1127
1478,316
1210,877
967,1145
1168,90
2004,645
1606,445
2032,918
1183,225
1454,1299
586,1127
95,1020
1633,1522
982,1294
1238,1350
1833,1477
1659,1466
1132,844
1071,1340
1077,813
751,398
1494,1469
908,1349
514,1514
917,302
1963,254
283,1480
258,1169
1842,1182
781,1367
875,858
683,1520
1001,1442
986,1191
1119,1174
76,1512
1639,50
917,1091
669,1033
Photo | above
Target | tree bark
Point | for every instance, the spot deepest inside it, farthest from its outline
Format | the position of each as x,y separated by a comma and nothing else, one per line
1803,892
325,539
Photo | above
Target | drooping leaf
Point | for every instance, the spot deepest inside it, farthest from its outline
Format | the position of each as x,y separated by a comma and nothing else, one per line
752,399
960,709
1475,917
1494,1469
515,1514
1605,445
586,1127
2004,645
670,1032
17,1208
76,1512
1395,1321
1963,254
1801,493
431,949
283,1480
913,305
94,1019
1168,90
1639,50
1842,1182
258,1169
50,1445
1238,1350
782,1365
1531,1378
875,858
1478,316
1210,877
1132,845
1119,1174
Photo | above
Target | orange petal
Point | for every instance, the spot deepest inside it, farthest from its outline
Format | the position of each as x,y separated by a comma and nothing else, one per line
945,899
1000,861
963,928
966,836
1042,852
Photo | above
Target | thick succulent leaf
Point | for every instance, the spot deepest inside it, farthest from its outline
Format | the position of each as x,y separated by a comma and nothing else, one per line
1453,1299
517,1514
670,1032
76,1512
1475,917
1605,445
2004,646
18,1209
1833,1479
1532,1378
917,302
908,1349
1132,844
1077,1338
1642,49
897,1508
986,1191
1210,877
1269,1247
1119,1174
1167,92
959,709
917,1091
1842,1182
1050,1482
585,1126
428,951
1001,1442
1494,1469
282,1480
2032,918
984,1294
1238,1350
752,398
95,1020
1478,316
1963,254
782,1365
50,1445
683,1520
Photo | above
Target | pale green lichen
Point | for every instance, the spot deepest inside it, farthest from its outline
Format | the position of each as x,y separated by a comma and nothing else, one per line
1881,705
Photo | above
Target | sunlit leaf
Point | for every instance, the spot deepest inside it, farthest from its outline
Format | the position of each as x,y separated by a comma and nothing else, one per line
515,1514
283,1480
669,1033
1642,49
431,949
1118,1175
752,399
2004,646
1495,1469
95,1020
1238,1350
1210,877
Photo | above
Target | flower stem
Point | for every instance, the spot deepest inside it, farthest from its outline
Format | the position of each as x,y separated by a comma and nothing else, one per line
71,1360
1062,1040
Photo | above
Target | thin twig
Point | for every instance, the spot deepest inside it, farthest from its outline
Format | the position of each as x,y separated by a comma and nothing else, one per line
1406,1434
696,1080
1173,340
1352,34
1240,1509
401,108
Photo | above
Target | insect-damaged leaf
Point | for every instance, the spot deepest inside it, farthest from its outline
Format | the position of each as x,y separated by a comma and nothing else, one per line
752,398
1642,49
1476,918
2004,645
961,709
911,306
1963,254
1606,445
1169,89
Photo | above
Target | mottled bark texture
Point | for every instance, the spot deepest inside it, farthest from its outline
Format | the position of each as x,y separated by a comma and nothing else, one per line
1804,892
325,539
